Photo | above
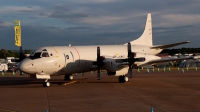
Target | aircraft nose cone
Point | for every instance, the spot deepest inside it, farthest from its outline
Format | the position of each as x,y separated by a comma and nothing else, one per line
27,66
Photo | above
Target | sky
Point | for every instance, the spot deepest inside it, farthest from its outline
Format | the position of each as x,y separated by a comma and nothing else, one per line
98,22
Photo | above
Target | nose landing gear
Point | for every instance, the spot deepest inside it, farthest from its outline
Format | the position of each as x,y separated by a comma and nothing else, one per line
123,79
68,77
46,83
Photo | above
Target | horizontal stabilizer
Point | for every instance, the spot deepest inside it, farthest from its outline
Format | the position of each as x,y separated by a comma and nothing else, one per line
169,45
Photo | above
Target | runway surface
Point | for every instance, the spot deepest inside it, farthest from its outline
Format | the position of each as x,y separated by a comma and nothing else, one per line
164,91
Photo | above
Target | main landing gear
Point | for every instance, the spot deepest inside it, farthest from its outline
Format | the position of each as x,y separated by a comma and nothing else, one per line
68,77
123,79
46,83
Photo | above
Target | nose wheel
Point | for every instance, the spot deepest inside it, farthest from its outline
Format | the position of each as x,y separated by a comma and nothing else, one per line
68,77
46,83
123,79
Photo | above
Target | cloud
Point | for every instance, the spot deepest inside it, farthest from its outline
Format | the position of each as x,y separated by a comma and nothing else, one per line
30,7
112,19
172,20
63,12
33,17
2,24
63,15
33,35
82,22
26,11
14,9
182,18
43,14
102,20
95,1
61,8
166,35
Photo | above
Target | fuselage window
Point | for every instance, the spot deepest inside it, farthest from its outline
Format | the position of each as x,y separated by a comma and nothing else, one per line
45,54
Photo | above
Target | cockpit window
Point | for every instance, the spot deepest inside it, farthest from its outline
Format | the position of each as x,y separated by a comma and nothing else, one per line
38,54
35,55
45,54
32,53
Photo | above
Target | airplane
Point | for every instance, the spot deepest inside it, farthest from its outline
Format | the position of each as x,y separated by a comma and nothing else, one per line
117,60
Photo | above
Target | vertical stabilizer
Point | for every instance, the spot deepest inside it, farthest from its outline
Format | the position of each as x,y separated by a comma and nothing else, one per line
146,37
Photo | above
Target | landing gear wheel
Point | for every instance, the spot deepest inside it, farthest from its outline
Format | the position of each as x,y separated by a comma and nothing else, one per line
126,79
71,77
46,84
123,79
68,77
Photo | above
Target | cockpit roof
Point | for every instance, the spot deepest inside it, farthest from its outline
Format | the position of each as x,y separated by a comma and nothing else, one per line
39,53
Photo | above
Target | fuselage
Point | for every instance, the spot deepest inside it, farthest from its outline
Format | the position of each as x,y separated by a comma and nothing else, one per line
60,60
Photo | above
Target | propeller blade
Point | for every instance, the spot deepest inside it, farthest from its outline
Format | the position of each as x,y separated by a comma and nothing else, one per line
129,50
130,59
98,62
98,53
98,74
130,72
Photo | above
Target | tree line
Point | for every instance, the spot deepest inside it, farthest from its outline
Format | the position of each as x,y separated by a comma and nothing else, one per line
12,53
181,50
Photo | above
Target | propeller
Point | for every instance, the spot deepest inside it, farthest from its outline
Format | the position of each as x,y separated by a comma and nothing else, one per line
99,62
131,59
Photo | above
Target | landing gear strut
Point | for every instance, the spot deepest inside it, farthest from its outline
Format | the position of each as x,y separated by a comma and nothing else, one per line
123,79
68,77
46,83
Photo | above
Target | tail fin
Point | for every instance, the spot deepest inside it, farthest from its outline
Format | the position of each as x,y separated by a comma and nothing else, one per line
146,37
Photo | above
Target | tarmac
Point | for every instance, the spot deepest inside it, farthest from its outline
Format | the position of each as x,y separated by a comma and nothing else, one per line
158,91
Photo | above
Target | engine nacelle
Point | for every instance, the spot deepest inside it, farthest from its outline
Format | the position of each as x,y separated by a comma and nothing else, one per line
110,64
114,68
119,72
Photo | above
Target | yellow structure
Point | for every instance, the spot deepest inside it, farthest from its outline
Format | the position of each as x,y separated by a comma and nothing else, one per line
17,33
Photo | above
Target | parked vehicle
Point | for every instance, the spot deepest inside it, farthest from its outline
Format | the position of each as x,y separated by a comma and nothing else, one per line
3,67
12,68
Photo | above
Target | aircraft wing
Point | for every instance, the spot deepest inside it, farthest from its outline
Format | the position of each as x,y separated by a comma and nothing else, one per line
166,60
169,45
